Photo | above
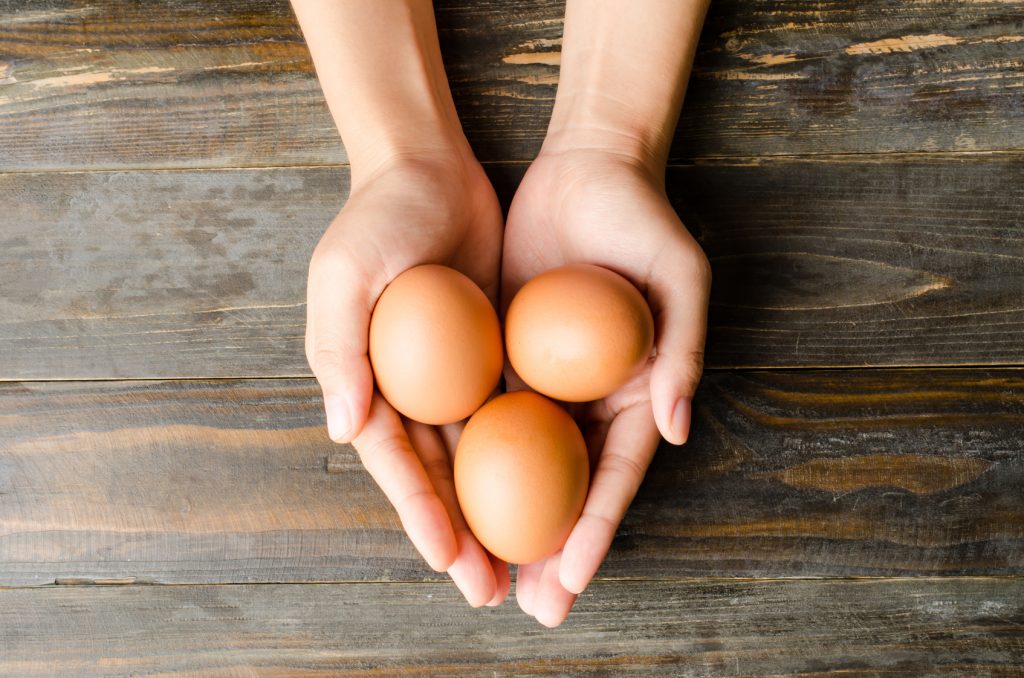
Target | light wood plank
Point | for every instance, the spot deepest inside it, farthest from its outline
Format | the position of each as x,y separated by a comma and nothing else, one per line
108,84
847,262
880,472
920,627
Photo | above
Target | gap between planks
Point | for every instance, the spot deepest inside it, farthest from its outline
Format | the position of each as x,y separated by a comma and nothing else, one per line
67,582
949,367
865,156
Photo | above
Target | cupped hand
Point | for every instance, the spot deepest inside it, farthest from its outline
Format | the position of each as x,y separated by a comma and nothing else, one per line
598,207
410,210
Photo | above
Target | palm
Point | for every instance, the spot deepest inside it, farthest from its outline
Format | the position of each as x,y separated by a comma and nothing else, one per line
413,215
403,216
602,210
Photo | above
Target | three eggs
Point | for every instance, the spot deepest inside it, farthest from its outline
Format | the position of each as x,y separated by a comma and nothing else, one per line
574,333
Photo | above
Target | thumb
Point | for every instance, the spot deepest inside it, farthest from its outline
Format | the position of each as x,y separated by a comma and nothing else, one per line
340,296
678,288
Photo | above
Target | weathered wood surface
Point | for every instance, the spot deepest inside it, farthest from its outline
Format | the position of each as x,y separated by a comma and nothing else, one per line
817,263
920,627
842,262
107,84
881,472
159,274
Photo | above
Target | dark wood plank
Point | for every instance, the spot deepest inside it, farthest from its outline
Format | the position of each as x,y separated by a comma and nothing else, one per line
158,84
858,262
845,262
880,472
920,627
788,77
108,84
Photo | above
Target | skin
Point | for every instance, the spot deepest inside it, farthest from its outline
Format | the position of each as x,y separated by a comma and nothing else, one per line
418,196
595,194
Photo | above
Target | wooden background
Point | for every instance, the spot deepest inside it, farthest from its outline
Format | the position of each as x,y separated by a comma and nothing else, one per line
851,501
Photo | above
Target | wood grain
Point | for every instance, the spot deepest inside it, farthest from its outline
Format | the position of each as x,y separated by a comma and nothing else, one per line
850,262
166,274
922,627
839,262
108,84
807,473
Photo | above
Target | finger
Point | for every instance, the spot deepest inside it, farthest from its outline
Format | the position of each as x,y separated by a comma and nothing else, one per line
501,580
450,434
629,447
594,420
472,570
552,601
527,577
340,295
678,288
387,454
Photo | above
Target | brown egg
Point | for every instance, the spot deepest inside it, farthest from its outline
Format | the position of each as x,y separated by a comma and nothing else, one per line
521,476
435,345
578,332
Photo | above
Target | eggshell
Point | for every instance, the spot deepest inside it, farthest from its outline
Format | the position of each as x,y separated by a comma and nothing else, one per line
578,332
521,476
435,345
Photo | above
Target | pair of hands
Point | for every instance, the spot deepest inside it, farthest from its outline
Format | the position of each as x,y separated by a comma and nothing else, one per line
576,205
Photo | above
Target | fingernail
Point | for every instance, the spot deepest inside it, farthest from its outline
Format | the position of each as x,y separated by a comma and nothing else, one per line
681,420
339,418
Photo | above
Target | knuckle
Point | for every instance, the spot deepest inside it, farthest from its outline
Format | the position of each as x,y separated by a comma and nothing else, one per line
406,499
385,451
330,262
438,469
324,360
695,364
621,466
698,265
691,370
610,524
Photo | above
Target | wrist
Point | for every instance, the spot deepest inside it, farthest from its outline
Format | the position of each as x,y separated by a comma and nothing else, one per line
585,119
379,65
623,77
408,140
412,116
634,146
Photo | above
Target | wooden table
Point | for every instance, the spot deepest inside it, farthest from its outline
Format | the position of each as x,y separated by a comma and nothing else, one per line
851,502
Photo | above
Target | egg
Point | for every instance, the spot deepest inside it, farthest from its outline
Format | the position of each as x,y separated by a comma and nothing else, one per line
578,332
435,345
521,476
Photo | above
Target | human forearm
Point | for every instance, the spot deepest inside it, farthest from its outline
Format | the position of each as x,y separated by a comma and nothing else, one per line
624,71
380,68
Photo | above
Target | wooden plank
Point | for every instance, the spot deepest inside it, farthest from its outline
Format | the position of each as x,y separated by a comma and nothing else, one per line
163,84
108,84
877,472
861,262
788,77
845,262
159,274
921,627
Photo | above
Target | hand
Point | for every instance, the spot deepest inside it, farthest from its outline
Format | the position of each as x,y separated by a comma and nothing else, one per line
606,208
430,208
